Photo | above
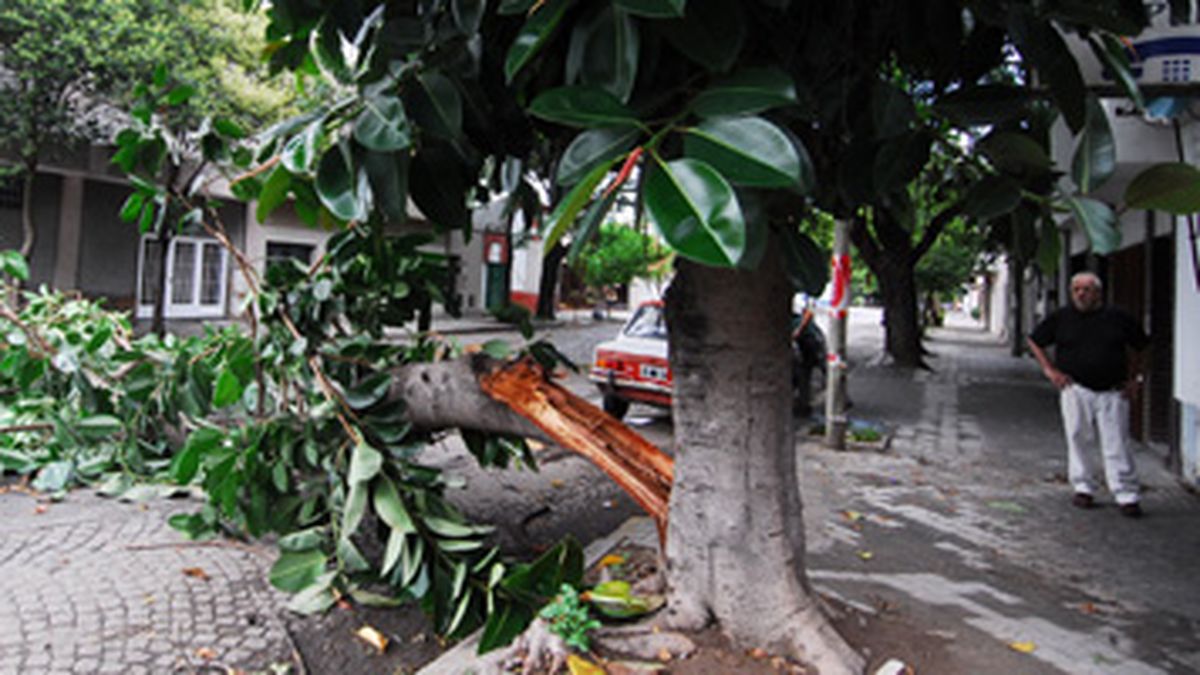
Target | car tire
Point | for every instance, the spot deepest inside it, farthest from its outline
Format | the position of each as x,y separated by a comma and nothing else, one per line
615,405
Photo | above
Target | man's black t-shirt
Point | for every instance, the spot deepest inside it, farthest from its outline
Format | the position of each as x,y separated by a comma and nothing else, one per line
1090,346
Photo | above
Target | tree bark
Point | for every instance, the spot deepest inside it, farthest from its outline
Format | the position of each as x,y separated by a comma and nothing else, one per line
735,544
898,286
893,261
28,230
158,322
548,286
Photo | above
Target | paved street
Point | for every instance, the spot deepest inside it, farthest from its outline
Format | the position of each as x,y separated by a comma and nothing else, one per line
961,533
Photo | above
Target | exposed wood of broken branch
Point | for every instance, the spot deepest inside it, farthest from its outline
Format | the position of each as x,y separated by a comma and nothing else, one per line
639,467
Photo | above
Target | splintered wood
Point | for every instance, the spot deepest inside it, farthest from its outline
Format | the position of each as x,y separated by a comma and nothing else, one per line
640,468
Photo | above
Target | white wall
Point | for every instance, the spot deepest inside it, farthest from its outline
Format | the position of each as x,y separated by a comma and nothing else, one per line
284,226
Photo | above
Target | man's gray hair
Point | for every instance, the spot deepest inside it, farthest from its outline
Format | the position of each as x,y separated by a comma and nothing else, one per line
1090,276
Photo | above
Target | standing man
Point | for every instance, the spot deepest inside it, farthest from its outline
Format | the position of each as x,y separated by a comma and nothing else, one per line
1096,368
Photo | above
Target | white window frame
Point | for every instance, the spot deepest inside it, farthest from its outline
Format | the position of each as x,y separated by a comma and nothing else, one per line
192,309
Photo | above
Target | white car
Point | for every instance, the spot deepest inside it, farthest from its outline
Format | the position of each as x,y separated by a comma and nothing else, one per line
633,367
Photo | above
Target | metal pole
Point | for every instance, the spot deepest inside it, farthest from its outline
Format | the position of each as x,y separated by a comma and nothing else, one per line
835,388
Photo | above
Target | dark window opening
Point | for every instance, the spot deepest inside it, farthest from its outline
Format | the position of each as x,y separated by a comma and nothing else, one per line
11,189
278,251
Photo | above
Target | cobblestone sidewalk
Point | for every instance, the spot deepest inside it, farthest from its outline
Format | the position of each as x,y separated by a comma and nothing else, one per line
92,585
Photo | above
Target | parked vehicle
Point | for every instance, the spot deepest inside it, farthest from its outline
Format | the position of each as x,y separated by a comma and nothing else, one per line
634,366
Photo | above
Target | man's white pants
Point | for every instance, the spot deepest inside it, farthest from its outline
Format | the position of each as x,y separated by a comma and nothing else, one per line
1090,414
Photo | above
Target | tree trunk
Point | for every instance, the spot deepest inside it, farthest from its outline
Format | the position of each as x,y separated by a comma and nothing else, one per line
1016,281
898,286
548,286
28,231
158,323
735,544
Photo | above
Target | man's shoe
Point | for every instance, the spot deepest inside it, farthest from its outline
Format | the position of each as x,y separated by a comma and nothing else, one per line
1083,500
1133,510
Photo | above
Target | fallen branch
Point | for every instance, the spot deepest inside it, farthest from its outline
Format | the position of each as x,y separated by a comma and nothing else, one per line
638,466
41,426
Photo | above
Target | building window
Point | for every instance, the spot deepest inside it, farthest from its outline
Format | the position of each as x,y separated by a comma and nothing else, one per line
283,251
196,277
11,190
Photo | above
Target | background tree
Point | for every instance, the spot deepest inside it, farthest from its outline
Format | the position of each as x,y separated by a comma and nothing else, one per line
618,255
944,272
67,67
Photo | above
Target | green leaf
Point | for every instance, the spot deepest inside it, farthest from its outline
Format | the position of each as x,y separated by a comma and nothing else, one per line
436,106
228,390
180,94
98,426
388,174
563,216
746,92
296,570
132,207
412,559
445,527
1098,221
985,104
1173,188
509,621
390,507
711,33
382,124
1015,153
369,391
365,463
468,14
1096,155
273,193
13,264
1115,58
438,187
300,153
391,554
146,221
616,599
229,128
497,349
53,477
302,540
604,52
537,29
695,211
582,106
991,197
315,598
1043,47
199,443
510,7
654,9
354,509
900,160
892,111
589,225
349,557
748,151
337,188
459,613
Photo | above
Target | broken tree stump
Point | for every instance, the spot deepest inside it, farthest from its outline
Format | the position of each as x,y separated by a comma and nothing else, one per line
638,466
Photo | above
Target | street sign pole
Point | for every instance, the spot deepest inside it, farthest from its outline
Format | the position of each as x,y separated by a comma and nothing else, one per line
835,372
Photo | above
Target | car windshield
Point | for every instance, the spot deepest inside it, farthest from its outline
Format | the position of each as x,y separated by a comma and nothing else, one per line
647,322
